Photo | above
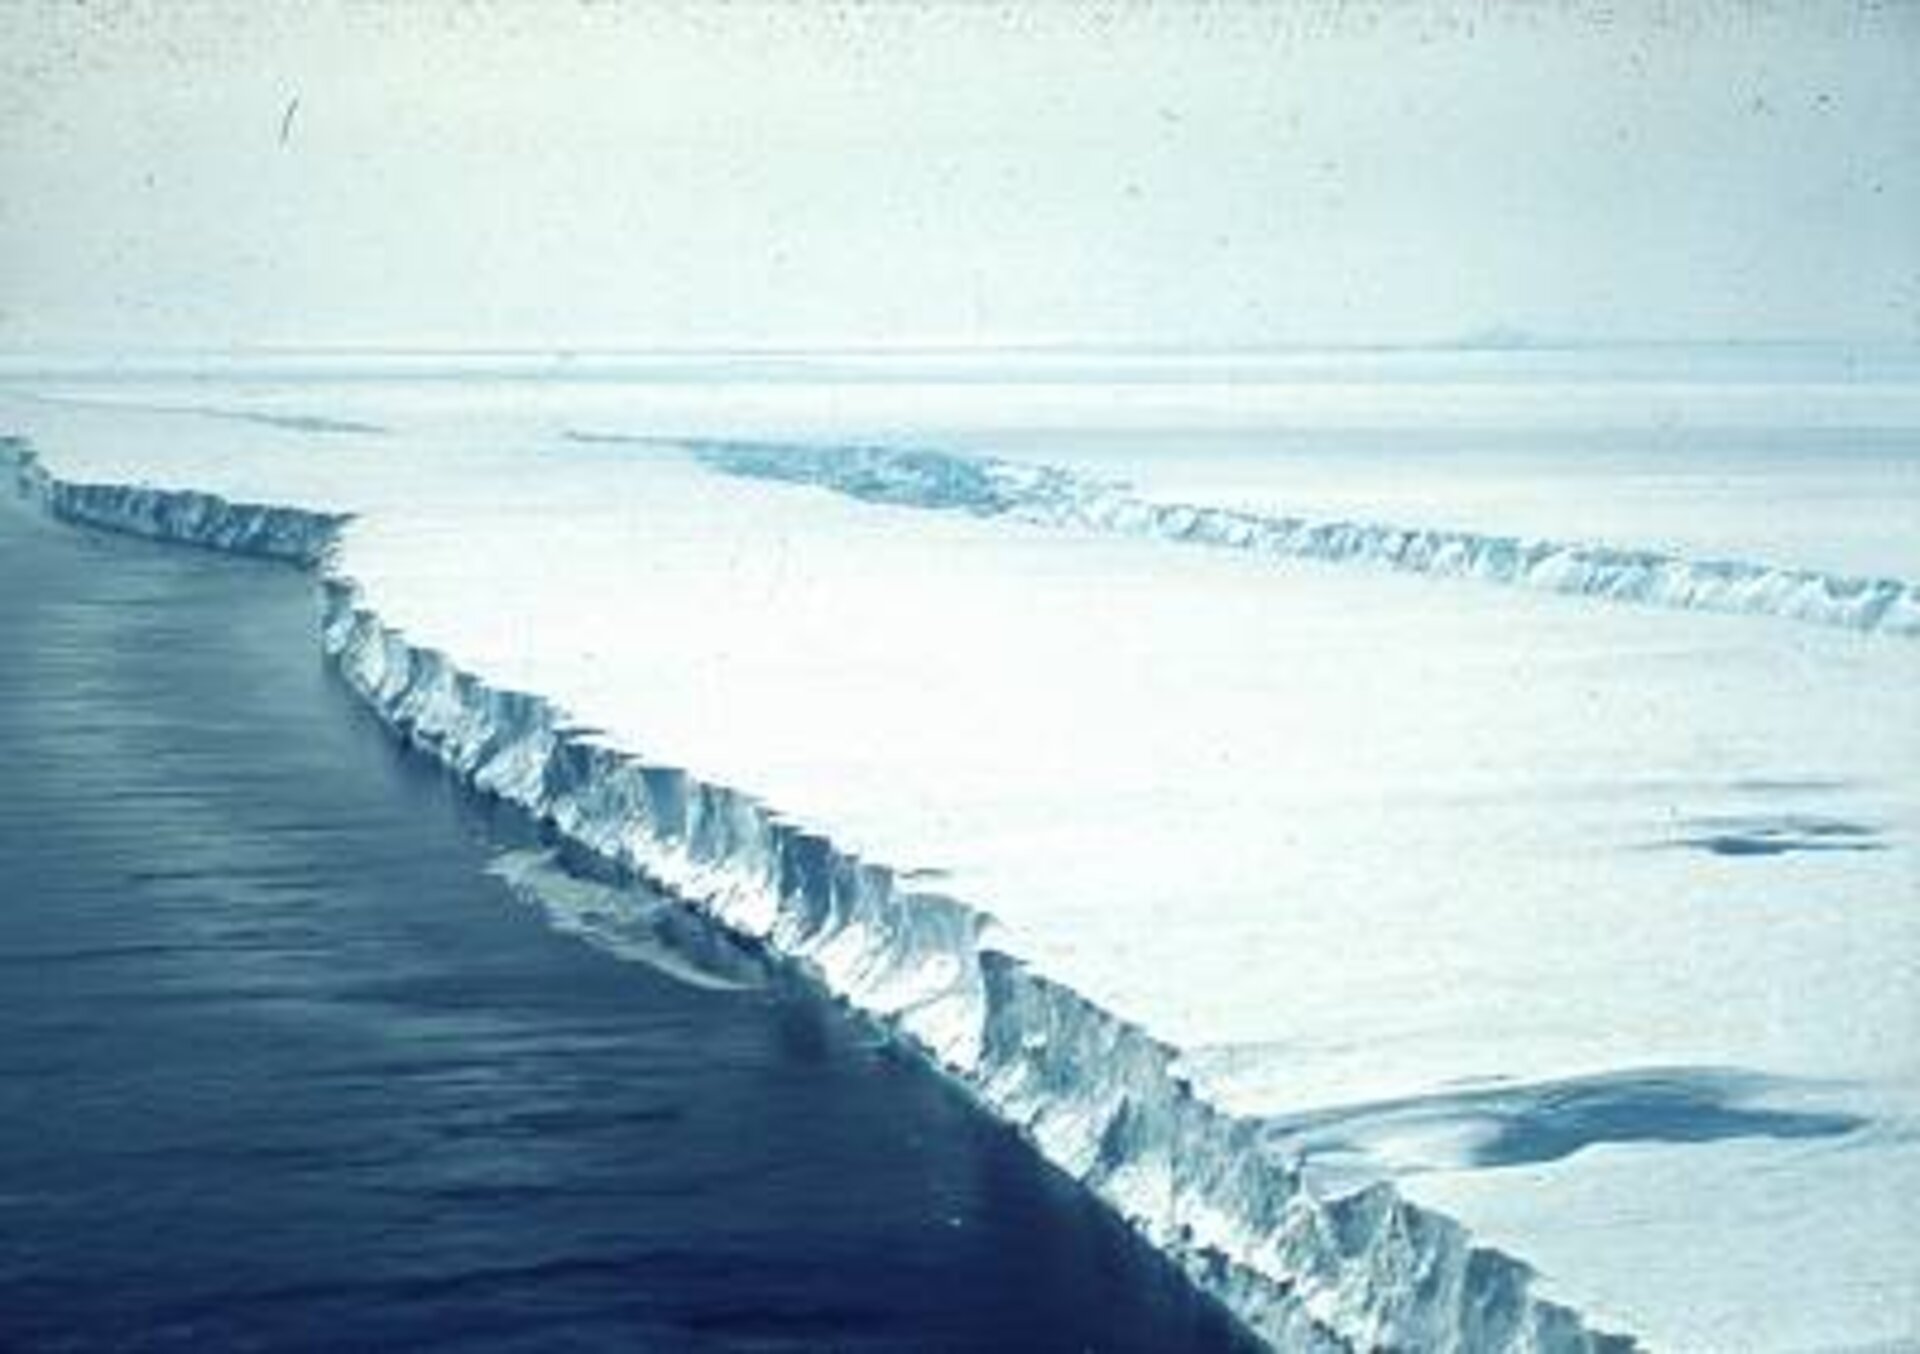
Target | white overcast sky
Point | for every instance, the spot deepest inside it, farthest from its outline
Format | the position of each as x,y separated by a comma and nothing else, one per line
541,175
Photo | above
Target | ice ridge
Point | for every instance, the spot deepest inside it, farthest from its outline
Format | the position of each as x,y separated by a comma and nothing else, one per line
1098,1096
1048,495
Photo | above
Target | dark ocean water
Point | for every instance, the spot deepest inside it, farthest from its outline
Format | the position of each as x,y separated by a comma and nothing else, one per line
282,1066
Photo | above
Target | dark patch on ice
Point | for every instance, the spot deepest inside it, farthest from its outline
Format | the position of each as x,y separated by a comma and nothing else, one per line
1517,1125
1778,834
299,423
1564,1119
589,437
1787,785
899,476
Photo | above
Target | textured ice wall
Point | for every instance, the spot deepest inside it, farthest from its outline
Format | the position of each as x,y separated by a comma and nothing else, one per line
290,534
1096,1095
1051,496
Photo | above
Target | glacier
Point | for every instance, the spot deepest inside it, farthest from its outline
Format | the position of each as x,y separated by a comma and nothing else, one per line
1352,934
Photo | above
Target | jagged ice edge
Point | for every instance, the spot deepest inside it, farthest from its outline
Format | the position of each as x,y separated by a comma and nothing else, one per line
1096,1095
1049,496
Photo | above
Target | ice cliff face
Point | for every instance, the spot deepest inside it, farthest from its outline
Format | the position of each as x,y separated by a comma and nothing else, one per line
1046,495
1096,1095
290,534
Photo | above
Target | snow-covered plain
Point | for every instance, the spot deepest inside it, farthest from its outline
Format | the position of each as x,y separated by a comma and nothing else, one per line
1593,925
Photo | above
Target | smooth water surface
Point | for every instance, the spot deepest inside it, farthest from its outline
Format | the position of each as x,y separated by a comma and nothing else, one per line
282,1066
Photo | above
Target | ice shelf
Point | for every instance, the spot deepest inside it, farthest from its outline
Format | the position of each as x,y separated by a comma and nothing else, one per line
1418,965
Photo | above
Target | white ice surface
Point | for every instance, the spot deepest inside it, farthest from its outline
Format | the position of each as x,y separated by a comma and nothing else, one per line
1343,837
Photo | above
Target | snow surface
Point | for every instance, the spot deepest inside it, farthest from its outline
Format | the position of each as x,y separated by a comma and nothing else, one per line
1592,926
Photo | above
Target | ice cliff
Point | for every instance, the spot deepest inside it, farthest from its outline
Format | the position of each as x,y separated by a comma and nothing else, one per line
1098,1096
191,518
1047,495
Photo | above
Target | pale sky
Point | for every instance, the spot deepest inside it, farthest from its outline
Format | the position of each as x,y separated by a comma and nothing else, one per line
621,175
